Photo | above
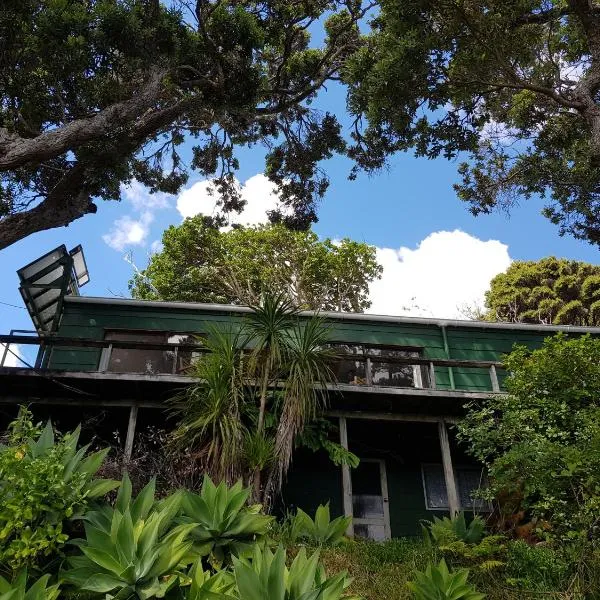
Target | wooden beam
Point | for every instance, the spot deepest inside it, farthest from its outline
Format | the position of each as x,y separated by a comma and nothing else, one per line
81,401
130,432
346,478
453,499
379,416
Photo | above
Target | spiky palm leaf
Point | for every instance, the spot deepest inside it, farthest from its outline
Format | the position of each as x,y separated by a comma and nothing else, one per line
308,372
210,413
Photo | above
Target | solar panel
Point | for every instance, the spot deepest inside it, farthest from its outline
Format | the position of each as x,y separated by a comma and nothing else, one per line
46,281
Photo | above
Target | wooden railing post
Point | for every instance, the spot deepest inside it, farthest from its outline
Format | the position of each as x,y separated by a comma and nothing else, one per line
494,379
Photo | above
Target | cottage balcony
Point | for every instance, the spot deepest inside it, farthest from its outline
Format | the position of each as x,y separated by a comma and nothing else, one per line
143,372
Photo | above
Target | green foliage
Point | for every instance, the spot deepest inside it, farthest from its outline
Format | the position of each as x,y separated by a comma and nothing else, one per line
550,291
266,577
199,263
438,583
448,529
207,586
106,92
317,436
18,589
238,427
44,482
499,82
321,530
223,526
133,549
465,544
539,568
541,442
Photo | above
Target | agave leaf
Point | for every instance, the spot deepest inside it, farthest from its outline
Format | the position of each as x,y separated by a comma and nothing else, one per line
101,487
44,442
143,503
124,495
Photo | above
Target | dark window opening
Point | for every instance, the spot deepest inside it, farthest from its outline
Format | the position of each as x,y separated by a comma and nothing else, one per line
468,481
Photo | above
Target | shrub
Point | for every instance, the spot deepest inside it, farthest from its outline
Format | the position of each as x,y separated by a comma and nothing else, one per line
539,568
541,441
133,549
321,530
44,481
222,524
438,583
465,545
17,590
445,530
266,577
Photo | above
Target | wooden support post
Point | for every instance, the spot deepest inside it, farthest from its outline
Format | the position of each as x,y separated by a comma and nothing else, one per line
494,379
453,500
130,433
346,477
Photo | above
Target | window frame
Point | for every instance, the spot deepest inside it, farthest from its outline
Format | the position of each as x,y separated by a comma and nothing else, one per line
486,506
419,378
105,355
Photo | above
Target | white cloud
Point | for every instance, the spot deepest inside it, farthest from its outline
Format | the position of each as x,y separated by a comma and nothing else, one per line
448,270
129,232
141,198
258,192
10,360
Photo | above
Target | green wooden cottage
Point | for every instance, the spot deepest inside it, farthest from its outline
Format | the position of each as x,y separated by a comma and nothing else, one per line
402,383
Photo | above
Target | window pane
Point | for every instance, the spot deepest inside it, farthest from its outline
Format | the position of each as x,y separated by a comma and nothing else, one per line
185,358
435,487
366,506
346,369
389,373
123,360
470,480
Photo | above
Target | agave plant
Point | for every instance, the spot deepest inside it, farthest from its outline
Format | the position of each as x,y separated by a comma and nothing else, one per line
447,530
17,590
266,577
134,549
221,524
206,586
438,583
322,530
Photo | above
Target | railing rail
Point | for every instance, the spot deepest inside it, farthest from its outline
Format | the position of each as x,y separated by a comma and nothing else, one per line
48,343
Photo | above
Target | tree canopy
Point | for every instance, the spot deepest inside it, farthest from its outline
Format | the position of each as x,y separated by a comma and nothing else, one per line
201,263
541,441
513,85
95,93
550,291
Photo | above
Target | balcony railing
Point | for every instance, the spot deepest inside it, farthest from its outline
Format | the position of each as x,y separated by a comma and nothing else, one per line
174,359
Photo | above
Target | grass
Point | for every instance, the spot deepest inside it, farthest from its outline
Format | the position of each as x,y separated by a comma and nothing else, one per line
382,570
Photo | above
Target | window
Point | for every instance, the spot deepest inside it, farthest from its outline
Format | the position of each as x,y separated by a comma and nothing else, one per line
150,360
349,369
363,364
468,480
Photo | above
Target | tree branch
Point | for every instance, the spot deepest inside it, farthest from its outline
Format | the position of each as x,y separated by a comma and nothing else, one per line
16,152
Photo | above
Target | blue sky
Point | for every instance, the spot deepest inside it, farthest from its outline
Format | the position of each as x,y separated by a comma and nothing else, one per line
401,211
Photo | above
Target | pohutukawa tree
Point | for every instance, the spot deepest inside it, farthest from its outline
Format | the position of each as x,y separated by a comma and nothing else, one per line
514,85
97,92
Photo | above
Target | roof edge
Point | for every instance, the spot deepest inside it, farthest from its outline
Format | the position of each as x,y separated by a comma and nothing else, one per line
341,316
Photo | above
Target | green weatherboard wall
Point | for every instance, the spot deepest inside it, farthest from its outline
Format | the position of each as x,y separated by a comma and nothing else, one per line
91,321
